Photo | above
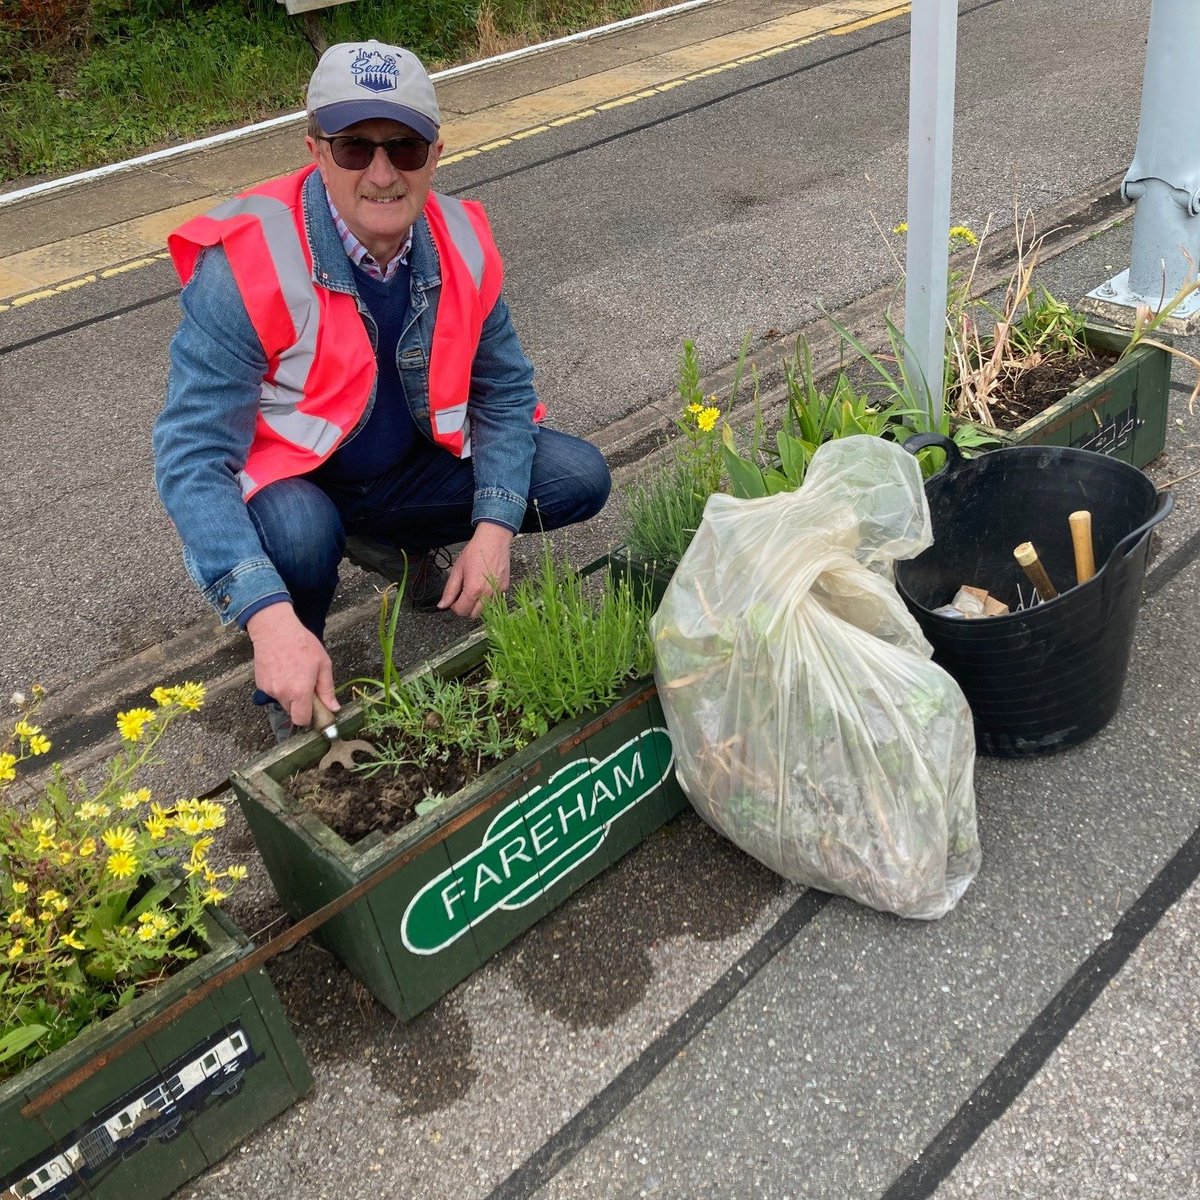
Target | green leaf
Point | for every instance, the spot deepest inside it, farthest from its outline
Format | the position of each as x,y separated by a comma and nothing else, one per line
16,1040
160,891
794,456
745,479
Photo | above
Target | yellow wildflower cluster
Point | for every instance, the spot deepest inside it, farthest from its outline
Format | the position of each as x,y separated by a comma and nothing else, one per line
87,895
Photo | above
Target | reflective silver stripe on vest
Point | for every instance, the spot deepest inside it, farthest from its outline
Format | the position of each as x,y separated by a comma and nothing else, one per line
279,397
246,483
462,234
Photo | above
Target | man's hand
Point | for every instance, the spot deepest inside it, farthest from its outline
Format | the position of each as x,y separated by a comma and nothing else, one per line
289,662
479,570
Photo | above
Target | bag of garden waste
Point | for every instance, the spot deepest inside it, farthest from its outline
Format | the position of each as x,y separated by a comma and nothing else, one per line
810,726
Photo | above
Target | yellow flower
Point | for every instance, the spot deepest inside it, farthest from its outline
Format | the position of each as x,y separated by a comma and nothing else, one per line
128,800
41,825
214,896
8,767
962,234
23,729
120,837
64,857
87,847
69,939
45,916
14,917
211,814
190,696
90,810
132,723
17,948
61,904
39,744
20,886
146,933
157,828
707,418
121,864
50,894
901,228
694,408
45,842
200,847
190,824
236,873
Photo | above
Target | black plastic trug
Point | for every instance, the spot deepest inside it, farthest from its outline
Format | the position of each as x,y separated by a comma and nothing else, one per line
1046,677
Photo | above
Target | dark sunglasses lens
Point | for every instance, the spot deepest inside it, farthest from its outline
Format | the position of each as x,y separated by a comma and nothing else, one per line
407,154
355,154
351,153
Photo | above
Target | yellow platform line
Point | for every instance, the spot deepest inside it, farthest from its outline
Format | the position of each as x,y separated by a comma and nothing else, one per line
47,271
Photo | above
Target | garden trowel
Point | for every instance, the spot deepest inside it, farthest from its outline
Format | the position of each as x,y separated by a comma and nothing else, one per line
340,751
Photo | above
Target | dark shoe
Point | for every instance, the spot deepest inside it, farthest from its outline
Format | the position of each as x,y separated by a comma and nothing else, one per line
281,724
426,579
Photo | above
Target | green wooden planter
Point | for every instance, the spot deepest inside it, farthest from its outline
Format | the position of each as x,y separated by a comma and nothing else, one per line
1121,413
648,580
470,876
167,1108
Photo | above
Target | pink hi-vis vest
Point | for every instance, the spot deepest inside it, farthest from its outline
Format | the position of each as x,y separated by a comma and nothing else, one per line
320,364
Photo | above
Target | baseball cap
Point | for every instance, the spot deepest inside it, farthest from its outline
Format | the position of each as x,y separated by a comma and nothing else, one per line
357,81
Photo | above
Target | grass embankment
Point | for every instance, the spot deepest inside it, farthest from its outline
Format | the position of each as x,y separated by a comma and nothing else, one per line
85,82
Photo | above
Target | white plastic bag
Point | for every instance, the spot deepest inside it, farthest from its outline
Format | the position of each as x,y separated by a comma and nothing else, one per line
810,726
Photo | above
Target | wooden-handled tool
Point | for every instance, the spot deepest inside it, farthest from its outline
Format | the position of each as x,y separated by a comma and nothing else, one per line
340,751
1027,556
1081,539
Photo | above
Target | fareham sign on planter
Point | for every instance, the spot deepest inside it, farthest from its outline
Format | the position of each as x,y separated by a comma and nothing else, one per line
456,885
536,840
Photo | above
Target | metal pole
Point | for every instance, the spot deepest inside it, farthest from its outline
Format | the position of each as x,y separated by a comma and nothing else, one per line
1164,178
930,147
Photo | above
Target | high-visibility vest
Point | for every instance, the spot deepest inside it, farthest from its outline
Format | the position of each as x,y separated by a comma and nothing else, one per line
320,364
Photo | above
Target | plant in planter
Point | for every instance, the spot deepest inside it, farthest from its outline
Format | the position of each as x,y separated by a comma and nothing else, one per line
106,921
461,863
664,511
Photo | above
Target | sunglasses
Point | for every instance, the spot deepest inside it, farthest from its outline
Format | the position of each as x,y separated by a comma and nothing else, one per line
357,153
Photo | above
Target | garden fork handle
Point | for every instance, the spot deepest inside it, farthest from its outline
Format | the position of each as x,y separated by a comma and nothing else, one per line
323,721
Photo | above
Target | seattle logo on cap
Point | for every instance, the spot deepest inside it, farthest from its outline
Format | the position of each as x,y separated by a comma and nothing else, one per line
375,71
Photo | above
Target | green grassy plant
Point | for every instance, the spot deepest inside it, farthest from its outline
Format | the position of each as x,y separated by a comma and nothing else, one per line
812,417
665,509
559,648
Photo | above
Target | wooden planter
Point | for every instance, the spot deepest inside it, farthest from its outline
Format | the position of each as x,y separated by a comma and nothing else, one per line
167,1108
1121,413
470,876
648,580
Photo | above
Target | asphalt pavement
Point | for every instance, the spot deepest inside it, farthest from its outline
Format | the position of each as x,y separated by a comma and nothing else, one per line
690,1025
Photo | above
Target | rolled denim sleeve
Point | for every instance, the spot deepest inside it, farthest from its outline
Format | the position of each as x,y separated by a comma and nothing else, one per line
503,434
202,438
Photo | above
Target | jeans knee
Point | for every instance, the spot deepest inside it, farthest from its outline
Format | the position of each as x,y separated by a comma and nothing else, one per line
594,482
301,533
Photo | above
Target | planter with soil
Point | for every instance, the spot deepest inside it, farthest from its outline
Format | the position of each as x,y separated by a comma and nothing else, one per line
97,1119
1119,408
463,874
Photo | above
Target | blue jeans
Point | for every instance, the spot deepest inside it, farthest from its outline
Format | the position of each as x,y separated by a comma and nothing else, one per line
423,504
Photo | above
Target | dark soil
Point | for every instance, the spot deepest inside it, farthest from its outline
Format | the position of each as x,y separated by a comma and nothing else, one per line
1023,396
354,804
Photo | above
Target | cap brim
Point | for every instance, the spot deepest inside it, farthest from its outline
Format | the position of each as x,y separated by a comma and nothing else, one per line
333,118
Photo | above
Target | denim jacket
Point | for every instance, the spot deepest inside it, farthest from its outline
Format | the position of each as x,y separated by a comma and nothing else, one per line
204,432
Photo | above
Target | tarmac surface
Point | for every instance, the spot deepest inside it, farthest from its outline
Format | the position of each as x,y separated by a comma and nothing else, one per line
689,1025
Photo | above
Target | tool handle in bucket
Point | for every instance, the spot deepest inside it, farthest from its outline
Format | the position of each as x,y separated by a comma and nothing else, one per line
922,441
1166,502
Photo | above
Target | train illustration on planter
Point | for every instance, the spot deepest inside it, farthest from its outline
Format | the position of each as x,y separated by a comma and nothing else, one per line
159,1108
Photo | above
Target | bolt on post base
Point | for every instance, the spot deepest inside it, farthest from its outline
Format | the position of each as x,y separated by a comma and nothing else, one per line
1117,304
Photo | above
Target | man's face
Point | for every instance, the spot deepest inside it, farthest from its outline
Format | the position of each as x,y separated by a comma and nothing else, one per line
379,203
